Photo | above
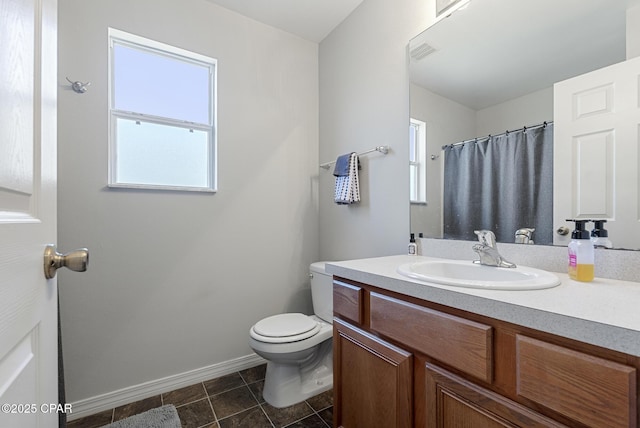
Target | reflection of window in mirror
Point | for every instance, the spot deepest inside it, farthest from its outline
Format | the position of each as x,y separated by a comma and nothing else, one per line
417,161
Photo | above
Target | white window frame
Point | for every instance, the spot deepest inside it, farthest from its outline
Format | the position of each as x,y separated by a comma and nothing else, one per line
210,128
418,161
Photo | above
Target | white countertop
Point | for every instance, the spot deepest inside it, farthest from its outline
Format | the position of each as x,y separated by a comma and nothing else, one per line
604,312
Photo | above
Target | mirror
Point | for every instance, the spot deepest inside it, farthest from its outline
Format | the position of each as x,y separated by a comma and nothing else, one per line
490,67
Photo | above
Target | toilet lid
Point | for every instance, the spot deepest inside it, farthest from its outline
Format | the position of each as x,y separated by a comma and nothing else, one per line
286,328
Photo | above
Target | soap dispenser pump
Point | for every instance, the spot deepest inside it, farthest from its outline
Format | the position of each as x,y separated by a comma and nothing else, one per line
600,236
581,253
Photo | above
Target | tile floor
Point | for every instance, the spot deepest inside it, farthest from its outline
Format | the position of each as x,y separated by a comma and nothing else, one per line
234,400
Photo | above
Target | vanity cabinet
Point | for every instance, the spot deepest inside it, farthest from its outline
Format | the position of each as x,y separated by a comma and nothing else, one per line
400,361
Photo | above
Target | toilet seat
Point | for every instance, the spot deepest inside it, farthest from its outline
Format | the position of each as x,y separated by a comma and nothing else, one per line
285,328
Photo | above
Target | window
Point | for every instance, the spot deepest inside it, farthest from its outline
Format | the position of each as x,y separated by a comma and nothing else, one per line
162,116
417,162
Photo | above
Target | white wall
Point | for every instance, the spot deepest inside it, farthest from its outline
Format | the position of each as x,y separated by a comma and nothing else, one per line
364,102
633,32
175,280
529,109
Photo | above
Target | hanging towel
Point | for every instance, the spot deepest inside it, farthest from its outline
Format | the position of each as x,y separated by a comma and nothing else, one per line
347,189
342,165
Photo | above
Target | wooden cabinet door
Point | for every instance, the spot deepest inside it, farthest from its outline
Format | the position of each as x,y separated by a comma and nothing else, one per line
373,380
453,402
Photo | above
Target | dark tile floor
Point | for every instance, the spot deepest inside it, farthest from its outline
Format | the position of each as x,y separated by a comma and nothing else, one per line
234,400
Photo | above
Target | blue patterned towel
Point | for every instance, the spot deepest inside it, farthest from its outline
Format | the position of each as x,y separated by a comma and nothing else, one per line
347,190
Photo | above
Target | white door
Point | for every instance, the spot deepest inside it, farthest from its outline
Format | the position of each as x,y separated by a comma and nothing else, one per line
28,311
596,136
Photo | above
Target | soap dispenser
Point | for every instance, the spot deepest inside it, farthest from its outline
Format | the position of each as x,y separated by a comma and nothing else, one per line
419,244
581,253
600,236
413,248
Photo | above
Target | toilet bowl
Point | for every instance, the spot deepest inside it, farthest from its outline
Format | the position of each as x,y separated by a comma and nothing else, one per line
298,348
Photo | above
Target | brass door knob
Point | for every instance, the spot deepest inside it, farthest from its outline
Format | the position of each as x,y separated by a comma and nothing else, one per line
76,260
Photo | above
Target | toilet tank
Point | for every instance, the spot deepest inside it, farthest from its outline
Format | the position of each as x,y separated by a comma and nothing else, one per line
321,291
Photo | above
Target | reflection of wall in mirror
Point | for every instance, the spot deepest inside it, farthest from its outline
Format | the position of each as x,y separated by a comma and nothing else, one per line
449,122
527,110
446,121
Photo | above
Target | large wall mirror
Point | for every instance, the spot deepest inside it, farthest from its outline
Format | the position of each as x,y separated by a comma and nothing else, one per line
489,68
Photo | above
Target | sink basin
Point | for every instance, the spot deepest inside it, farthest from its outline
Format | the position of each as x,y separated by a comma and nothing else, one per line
462,273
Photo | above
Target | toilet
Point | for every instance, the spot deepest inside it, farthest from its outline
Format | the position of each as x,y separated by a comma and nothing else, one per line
298,348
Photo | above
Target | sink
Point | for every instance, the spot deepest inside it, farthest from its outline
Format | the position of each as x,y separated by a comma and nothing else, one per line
467,274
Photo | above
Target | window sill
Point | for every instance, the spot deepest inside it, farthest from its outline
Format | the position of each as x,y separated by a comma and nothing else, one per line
162,187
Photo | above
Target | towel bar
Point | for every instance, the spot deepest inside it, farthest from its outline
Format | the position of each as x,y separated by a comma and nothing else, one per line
382,149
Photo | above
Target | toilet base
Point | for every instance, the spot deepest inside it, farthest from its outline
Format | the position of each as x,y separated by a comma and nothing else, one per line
289,384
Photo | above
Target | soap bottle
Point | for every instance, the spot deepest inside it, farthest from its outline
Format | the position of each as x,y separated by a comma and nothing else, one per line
600,236
413,248
581,253
419,244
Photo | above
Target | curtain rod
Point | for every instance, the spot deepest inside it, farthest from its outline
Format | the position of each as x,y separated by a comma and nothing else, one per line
382,149
524,128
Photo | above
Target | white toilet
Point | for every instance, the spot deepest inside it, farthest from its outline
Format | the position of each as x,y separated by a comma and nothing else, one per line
298,348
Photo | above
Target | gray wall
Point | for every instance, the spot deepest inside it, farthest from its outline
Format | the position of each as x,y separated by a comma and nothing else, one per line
447,122
530,109
364,102
633,32
176,279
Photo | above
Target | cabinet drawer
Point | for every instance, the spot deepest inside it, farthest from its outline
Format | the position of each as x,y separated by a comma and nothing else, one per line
459,343
587,389
347,301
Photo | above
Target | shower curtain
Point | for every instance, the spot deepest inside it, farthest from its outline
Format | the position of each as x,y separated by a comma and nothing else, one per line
502,183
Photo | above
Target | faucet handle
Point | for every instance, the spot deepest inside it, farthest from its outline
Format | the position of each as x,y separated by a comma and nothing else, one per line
489,256
486,237
525,235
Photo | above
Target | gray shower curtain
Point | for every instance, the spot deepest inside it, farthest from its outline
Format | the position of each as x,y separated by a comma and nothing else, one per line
502,183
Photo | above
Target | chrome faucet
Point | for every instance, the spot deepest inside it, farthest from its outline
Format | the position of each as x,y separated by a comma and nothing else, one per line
487,249
525,235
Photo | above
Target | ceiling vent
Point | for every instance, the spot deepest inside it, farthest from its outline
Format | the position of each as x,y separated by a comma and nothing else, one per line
421,51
